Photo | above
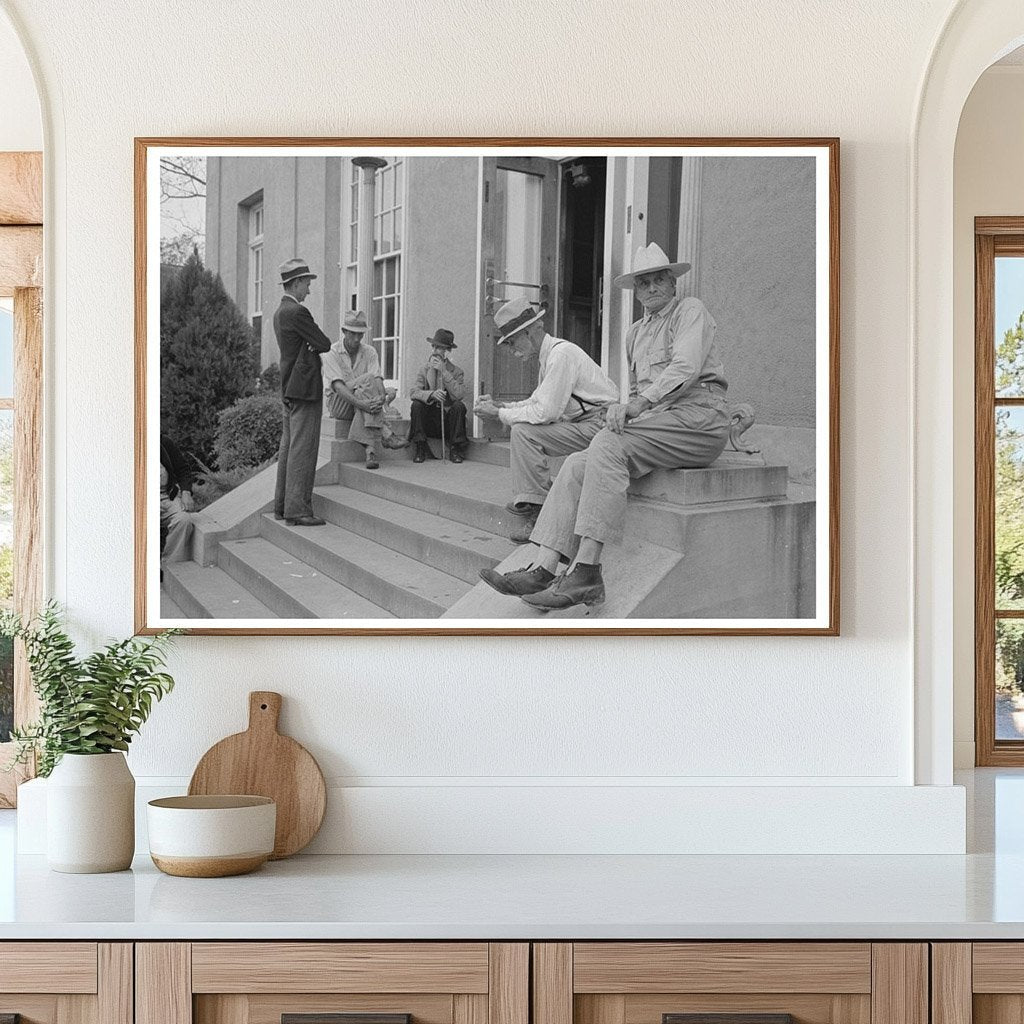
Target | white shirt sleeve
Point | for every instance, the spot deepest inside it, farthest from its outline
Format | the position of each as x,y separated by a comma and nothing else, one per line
549,400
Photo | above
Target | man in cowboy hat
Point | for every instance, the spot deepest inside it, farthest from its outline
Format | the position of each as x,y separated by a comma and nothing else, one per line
354,387
676,417
561,416
439,390
300,341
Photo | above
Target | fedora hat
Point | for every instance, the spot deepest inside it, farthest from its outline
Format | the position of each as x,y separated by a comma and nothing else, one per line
355,320
443,337
293,269
646,260
514,316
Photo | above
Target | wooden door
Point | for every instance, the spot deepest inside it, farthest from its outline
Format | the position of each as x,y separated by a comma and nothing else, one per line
519,258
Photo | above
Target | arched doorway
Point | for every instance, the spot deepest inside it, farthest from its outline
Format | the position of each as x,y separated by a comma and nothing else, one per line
976,34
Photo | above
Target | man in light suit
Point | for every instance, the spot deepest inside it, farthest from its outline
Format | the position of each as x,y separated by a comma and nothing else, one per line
301,341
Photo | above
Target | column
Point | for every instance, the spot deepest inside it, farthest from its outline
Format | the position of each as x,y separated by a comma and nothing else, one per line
368,167
688,247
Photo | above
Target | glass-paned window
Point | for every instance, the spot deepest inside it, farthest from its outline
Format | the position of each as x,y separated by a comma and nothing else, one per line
519,197
256,260
388,232
1008,479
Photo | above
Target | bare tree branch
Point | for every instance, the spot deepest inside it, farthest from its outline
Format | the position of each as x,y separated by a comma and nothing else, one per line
182,178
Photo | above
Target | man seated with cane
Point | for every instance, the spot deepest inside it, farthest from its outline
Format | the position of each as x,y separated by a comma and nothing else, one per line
437,407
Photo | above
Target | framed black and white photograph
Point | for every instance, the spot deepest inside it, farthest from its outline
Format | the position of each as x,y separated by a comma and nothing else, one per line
457,386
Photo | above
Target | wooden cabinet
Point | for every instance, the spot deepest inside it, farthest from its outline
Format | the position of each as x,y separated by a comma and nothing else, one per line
653,982
978,983
261,982
66,982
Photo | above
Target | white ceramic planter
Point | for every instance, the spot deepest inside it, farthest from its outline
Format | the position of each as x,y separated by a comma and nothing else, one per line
90,814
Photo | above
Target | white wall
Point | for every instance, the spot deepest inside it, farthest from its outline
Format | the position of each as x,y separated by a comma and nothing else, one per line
987,182
471,711
21,127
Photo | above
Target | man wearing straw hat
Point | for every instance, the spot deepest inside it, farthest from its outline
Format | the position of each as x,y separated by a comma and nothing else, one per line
437,408
676,417
561,416
354,387
301,341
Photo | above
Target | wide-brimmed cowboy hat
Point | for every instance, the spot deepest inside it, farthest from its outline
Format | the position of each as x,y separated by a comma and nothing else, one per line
293,269
443,338
355,320
514,316
646,260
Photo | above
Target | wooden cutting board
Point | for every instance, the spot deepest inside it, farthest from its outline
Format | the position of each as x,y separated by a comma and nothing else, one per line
262,762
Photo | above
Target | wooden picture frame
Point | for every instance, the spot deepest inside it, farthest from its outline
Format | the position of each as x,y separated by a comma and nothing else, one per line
749,546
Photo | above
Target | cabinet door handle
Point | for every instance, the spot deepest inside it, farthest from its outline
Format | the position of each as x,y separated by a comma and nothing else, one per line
727,1018
338,1018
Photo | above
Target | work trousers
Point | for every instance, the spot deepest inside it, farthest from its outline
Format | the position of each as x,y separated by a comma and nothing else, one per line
588,497
425,421
176,524
534,443
366,427
296,458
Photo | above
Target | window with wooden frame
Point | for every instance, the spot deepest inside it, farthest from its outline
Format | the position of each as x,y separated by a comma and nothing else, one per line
999,490
21,365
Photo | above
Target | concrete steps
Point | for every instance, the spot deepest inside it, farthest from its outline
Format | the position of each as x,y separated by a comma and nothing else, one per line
208,592
293,589
457,549
392,580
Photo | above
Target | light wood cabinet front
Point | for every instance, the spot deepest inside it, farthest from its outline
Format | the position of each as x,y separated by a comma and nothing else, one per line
66,982
650,982
263,982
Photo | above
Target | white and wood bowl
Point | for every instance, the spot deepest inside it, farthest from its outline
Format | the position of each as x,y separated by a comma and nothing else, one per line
211,836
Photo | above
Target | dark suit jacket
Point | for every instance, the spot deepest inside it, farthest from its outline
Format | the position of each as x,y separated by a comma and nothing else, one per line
179,476
300,341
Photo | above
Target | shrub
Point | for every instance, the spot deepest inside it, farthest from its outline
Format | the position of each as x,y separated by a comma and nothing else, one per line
248,432
205,357
270,380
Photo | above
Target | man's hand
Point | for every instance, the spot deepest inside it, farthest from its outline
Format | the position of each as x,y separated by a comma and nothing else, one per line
438,396
637,406
486,406
187,501
435,362
615,417
370,405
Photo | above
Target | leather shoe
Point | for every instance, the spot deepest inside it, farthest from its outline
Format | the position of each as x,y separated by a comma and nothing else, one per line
457,456
421,453
372,462
279,515
307,521
519,581
582,585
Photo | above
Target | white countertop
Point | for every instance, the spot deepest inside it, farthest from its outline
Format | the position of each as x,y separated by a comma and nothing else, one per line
977,896
516,897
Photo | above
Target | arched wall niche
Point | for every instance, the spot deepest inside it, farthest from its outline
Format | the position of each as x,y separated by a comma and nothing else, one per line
977,33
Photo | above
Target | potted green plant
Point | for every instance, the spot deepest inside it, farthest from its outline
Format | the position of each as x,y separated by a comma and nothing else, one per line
89,709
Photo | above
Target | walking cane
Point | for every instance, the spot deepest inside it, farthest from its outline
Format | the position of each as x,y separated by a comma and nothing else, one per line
437,379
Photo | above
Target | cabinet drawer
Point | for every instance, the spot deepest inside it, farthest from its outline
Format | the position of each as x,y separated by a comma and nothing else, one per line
332,983
66,967
66,982
733,982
